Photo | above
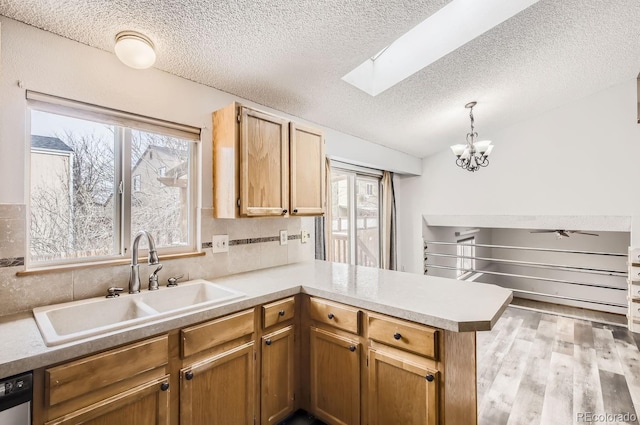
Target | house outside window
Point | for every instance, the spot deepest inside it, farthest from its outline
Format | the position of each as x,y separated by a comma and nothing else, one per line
464,264
94,184
355,217
136,183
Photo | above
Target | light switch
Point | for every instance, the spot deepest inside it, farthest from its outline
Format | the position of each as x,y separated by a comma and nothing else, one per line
220,243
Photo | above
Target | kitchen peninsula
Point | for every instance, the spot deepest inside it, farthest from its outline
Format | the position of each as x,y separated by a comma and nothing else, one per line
351,342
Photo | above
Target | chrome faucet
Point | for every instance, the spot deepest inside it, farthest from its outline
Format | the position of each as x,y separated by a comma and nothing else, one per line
134,276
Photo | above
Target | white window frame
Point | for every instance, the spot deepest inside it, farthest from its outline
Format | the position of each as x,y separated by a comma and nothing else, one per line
124,121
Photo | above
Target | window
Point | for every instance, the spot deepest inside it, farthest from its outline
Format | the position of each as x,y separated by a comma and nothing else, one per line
466,249
95,182
355,218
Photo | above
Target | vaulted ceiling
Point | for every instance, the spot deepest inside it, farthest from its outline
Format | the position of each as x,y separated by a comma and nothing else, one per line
291,56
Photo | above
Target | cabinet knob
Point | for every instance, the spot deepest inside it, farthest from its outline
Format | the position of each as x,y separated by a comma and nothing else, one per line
268,342
189,376
281,313
284,211
429,377
164,386
352,348
330,316
295,211
397,336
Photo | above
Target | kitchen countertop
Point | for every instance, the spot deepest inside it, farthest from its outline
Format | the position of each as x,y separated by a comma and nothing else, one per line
439,302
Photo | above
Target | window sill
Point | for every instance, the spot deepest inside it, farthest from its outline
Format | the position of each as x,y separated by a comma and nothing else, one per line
107,263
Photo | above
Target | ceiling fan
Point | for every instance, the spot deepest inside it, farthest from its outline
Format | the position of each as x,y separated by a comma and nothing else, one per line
564,233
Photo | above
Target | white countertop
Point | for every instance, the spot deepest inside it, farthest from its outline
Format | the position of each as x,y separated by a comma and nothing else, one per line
443,303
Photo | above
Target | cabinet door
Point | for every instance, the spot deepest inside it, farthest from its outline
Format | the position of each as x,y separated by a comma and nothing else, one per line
277,375
264,164
147,404
219,390
307,171
335,378
401,392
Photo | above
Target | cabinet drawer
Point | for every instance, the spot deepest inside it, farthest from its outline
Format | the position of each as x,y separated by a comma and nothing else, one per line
278,312
405,335
78,377
333,314
207,335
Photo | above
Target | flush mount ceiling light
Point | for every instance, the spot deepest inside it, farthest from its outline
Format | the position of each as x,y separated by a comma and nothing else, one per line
474,154
451,27
135,50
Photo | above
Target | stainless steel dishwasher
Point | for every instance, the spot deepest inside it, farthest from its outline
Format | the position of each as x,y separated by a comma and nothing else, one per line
15,399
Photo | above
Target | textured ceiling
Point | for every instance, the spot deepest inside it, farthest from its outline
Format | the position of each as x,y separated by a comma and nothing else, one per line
291,56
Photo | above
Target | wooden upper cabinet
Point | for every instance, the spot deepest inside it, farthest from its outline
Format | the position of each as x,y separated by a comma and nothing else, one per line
307,170
263,165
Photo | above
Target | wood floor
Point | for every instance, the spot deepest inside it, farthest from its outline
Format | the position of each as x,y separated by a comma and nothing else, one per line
542,369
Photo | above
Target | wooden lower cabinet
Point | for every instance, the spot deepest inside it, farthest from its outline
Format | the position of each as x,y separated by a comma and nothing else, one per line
335,377
401,391
219,390
146,404
233,371
277,383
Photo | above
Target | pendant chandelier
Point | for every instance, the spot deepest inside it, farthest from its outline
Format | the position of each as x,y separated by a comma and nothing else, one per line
474,154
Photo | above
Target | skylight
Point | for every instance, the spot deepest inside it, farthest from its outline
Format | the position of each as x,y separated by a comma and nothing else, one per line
451,27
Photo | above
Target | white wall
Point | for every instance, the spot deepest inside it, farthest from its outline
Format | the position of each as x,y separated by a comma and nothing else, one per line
51,64
579,159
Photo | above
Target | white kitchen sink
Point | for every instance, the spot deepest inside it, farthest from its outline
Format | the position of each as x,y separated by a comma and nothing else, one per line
61,323
192,296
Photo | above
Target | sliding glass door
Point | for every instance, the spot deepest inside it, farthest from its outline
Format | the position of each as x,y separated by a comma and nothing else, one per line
355,218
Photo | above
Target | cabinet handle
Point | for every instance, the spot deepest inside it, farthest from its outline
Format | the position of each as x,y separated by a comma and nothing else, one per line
281,313
330,316
429,377
164,386
295,211
284,211
189,375
352,348
268,342
397,336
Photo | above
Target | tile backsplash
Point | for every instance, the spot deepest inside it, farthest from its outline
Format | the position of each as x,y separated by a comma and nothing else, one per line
253,244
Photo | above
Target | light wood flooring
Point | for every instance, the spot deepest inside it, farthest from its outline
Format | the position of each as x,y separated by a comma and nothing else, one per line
543,369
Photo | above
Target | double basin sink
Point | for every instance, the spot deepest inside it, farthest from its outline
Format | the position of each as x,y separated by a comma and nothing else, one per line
62,323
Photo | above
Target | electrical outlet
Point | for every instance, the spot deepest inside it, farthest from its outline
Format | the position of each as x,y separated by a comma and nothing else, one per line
304,236
220,243
284,238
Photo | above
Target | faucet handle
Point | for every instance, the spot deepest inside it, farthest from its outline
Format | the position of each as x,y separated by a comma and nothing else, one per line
114,292
153,279
173,281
